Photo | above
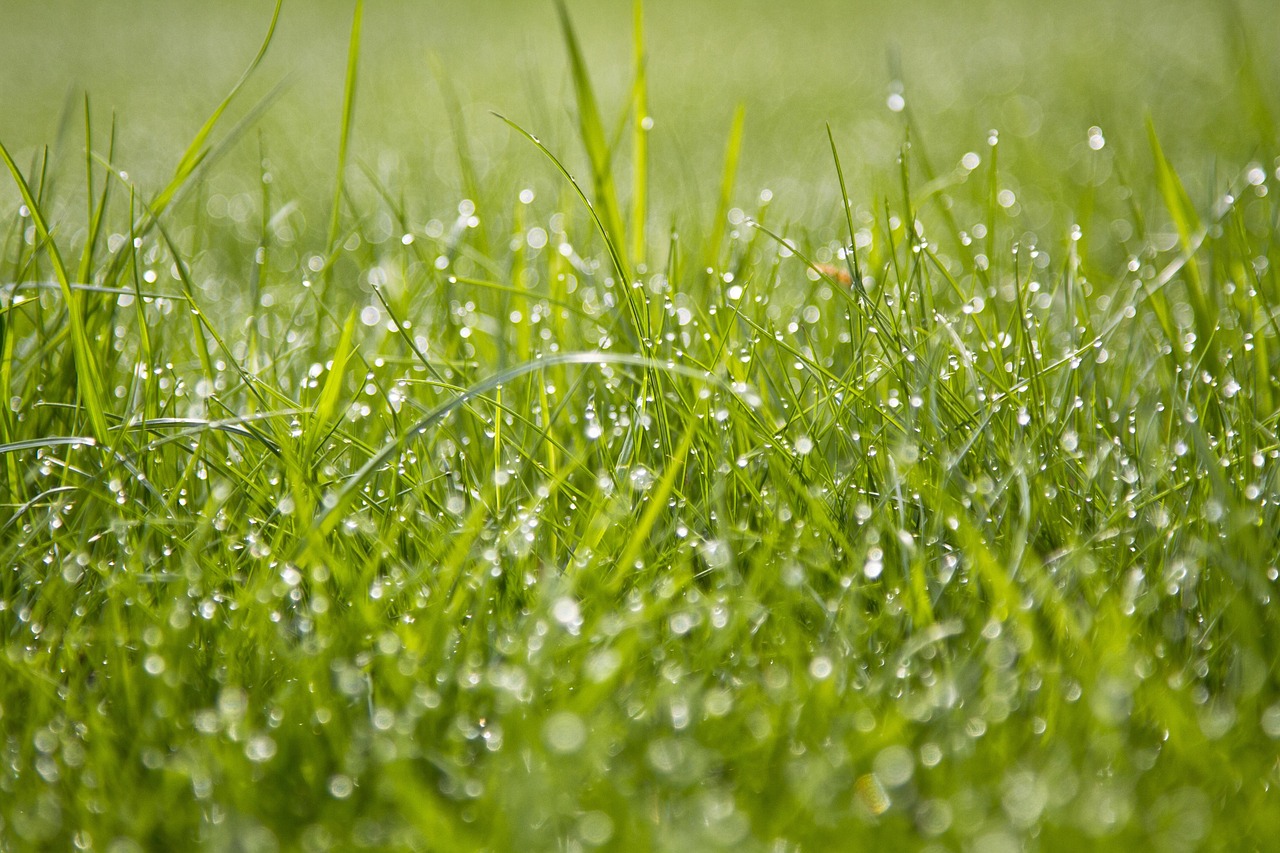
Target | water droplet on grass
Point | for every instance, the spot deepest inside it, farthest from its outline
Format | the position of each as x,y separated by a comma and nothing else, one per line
564,733
874,566
341,786
641,478
260,748
595,828
715,552
1271,721
567,612
894,765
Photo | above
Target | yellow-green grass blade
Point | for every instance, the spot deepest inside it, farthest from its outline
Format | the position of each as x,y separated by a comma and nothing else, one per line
732,150
348,122
640,141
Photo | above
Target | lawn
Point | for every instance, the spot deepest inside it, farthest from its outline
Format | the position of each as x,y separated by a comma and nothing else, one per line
669,426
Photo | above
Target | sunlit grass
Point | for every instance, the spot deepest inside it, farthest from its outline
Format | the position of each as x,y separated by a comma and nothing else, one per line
529,522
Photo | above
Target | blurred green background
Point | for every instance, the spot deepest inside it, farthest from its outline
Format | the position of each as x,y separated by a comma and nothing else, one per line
1041,73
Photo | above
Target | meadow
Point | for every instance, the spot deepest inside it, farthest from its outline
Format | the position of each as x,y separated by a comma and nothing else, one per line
654,426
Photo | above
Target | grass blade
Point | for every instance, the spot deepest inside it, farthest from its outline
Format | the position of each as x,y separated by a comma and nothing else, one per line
851,252
732,149
462,145
640,142
595,141
639,320
88,381
196,151
656,503
1190,230
96,214
348,121
327,401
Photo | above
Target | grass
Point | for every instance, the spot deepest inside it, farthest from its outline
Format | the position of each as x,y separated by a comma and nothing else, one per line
582,515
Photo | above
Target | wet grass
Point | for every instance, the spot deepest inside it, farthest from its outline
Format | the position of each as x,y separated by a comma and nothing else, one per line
568,516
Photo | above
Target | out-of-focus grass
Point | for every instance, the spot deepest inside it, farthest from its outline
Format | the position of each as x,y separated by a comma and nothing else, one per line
1042,74
463,515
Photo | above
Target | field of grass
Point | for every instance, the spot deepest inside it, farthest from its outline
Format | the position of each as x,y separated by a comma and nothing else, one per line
781,427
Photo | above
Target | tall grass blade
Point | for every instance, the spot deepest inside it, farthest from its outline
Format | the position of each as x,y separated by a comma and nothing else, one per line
348,122
96,213
1190,232
196,151
595,141
851,251
640,141
461,144
639,318
88,381
729,177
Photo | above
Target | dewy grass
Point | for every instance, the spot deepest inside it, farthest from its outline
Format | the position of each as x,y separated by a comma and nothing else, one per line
865,532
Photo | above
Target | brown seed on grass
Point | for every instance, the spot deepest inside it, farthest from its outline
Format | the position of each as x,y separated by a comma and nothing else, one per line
839,274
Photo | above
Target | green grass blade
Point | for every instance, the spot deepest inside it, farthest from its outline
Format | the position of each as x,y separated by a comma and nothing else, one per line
1176,200
348,122
1190,231
851,251
639,319
87,253
97,214
640,141
595,141
196,152
87,376
732,150
461,144
327,401
656,503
